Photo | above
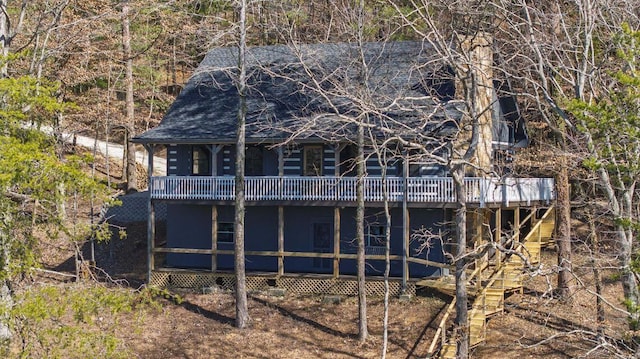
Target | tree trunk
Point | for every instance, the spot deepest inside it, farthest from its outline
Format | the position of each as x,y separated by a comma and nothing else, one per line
130,168
563,201
362,295
461,321
629,282
564,231
4,37
6,301
387,251
6,298
597,280
242,311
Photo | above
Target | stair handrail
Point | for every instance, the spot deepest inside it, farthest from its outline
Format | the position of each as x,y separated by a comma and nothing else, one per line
441,331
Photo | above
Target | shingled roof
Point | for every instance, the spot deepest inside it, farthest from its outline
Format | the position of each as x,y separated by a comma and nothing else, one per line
405,79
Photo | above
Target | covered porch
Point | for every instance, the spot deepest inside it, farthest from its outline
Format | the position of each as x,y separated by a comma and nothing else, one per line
479,191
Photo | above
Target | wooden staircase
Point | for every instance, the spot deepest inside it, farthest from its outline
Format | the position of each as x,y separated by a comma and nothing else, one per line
503,277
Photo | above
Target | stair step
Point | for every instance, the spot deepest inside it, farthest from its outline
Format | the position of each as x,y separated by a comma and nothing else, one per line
448,351
507,283
510,278
477,327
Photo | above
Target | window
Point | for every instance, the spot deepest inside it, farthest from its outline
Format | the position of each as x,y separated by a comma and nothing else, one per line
348,160
253,161
200,161
225,232
375,236
312,161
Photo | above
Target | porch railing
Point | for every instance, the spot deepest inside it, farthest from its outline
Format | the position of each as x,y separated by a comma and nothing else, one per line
419,189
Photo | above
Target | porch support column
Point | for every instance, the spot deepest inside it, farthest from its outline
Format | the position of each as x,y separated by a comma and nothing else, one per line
485,236
280,161
215,149
151,219
498,234
405,226
280,216
214,238
336,242
479,218
336,216
280,241
516,223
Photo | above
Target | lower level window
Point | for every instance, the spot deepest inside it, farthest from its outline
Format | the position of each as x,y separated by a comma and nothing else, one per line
225,232
375,236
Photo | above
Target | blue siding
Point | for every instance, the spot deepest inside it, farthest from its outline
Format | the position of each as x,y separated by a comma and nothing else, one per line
293,162
190,226
228,161
328,161
172,160
179,160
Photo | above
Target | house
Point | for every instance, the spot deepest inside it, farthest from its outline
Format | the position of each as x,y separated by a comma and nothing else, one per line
300,177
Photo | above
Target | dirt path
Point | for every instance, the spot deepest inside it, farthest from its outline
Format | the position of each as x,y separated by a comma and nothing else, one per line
116,150
113,150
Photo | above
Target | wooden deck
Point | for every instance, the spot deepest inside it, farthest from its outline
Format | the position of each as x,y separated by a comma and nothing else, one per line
480,191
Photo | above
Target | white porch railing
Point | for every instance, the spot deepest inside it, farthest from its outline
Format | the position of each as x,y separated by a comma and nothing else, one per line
419,189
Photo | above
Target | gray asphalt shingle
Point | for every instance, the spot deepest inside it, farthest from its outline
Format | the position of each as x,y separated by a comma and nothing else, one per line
284,91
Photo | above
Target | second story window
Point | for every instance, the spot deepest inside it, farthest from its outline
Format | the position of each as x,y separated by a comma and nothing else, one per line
253,161
200,161
312,161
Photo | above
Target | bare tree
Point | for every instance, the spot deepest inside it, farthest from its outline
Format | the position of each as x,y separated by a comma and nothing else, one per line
558,51
130,170
242,311
361,165
8,32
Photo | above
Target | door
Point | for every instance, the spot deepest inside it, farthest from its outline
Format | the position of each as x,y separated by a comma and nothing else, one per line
322,237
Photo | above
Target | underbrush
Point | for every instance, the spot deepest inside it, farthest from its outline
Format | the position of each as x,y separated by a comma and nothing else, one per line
79,320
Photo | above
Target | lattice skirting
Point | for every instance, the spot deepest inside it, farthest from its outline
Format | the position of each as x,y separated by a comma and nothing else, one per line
298,284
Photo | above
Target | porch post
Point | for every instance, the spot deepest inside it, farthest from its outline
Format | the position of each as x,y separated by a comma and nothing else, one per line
534,215
214,238
516,220
336,242
151,219
280,240
280,162
214,159
280,216
336,216
405,226
498,234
